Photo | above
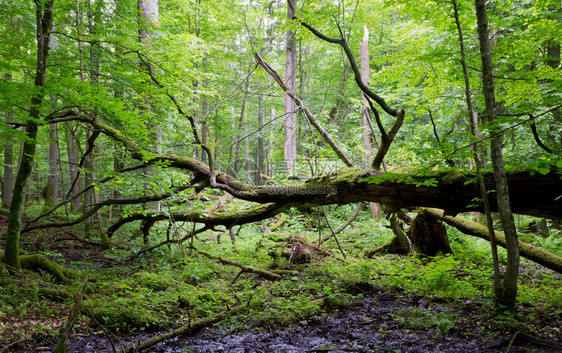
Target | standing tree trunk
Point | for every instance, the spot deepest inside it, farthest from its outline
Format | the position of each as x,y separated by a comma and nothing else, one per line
509,293
260,160
269,156
204,130
8,185
553,60
44,19
290,120
52,180
248,159
473,118
365,112
94,19
148,17
240,127
72,151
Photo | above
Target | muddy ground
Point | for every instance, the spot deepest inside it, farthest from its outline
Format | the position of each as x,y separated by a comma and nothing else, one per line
367,325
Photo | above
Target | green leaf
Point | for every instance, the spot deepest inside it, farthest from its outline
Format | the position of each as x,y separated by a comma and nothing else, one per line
559,163
544,170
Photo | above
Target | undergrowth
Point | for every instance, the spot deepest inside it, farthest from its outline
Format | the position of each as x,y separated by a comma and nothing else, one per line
172,286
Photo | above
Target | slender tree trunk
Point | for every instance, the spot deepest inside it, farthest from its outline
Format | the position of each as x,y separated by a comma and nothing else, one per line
240,127
73,153
271,163
553,60
148,16
509,294
233,158
72,144
52,180
290,120
94,19
473,118
248,160
365,113
8,185
44,17
89,164
260,160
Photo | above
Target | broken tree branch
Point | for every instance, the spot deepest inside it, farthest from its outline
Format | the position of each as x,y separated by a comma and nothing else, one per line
313,121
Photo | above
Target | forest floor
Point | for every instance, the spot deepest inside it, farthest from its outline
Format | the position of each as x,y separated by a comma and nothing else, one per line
386,304
378,322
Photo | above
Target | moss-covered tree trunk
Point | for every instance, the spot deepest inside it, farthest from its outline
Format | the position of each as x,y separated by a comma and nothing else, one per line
44,17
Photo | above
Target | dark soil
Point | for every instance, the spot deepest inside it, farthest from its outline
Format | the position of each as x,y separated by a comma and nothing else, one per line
378,322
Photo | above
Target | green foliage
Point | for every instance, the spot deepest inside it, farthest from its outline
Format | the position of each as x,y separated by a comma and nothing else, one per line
201,53
418,319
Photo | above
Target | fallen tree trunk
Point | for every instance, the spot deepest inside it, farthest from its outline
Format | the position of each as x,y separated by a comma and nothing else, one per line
453,191
189,328
62,345
530,252
271,275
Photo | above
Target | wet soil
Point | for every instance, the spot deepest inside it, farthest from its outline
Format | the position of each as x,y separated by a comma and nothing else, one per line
378,322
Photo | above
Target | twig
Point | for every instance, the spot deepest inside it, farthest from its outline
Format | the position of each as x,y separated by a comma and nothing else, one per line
11,344
511,342
347,223
104,331
333,233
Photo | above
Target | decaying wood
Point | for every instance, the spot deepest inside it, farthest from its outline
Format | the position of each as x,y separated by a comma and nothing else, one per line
530,252
428,235
189,328
454,191
262,273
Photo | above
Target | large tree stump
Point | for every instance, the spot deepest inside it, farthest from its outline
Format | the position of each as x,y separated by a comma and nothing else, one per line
428,235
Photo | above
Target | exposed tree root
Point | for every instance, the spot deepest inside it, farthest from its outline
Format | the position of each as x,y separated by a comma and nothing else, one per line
36,261
54,294
400,244
530,252
189,328
40,262
391,247
429,235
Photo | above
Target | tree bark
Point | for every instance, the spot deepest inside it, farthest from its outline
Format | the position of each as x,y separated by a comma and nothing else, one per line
365,112
509,294
260,169
473,119
290,120
44,18
8,185
52,180
240,128
148,18
72,152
